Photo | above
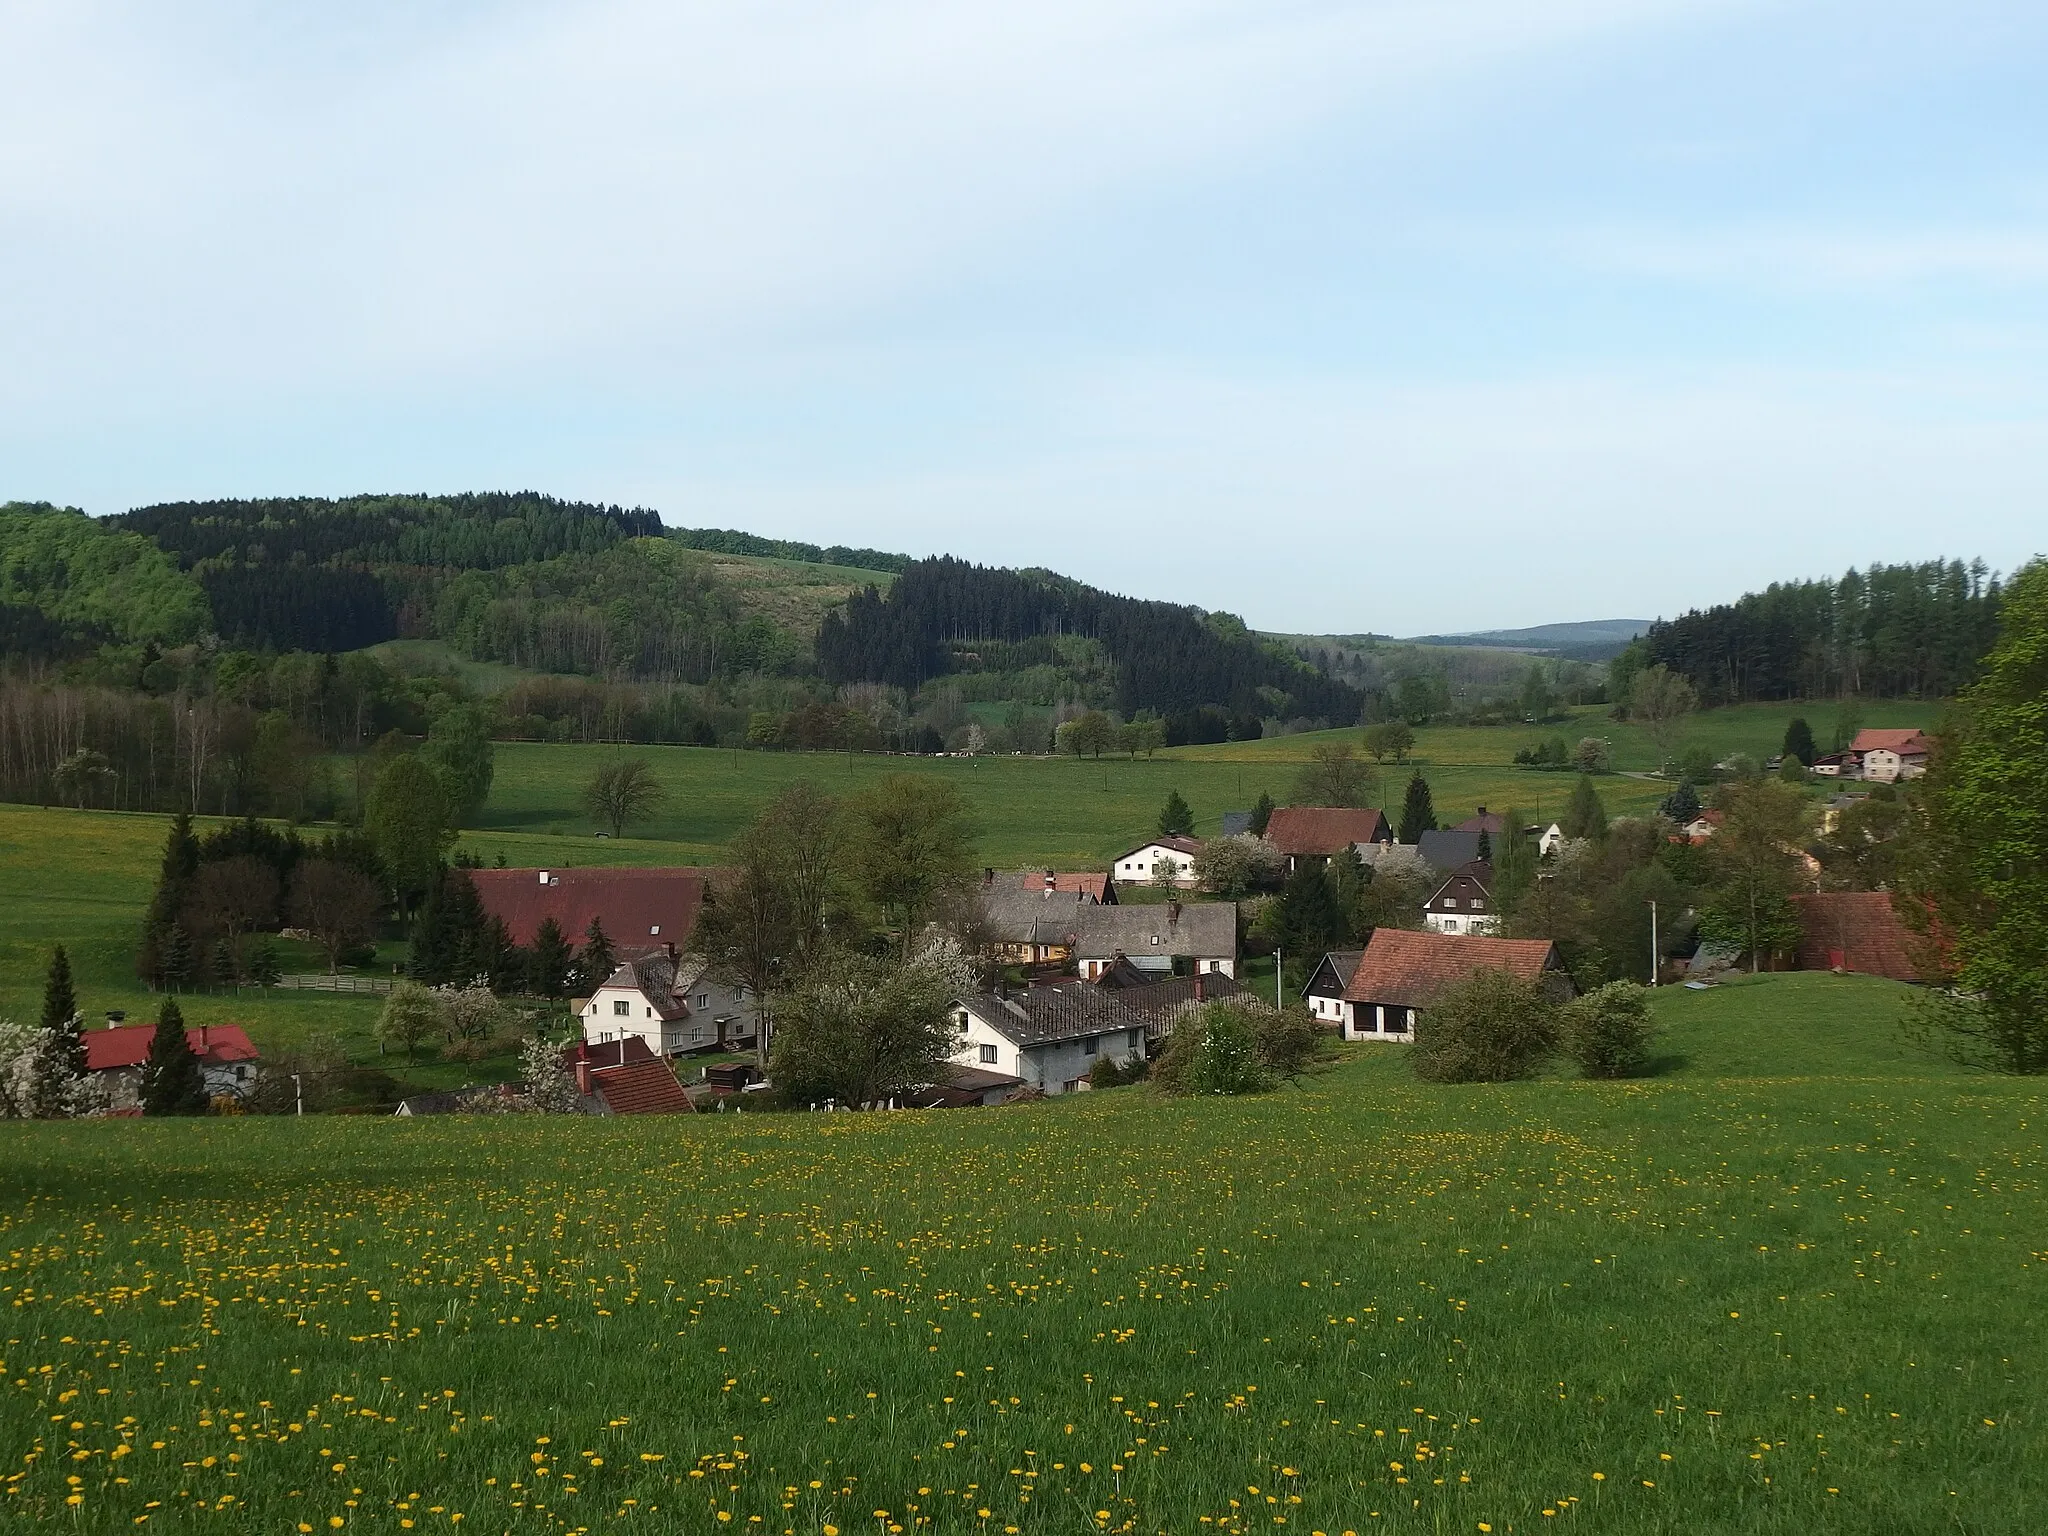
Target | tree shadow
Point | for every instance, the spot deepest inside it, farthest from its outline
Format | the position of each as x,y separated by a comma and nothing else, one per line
1666,1063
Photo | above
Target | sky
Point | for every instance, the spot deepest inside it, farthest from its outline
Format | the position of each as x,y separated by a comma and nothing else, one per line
1394,316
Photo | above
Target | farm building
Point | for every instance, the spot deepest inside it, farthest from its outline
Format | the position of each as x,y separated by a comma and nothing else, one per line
1049,1037
1320,832
670,1006
1401,973
1855,931
1192,936
1140,865
115,1056
1326,986
642,910
1032,927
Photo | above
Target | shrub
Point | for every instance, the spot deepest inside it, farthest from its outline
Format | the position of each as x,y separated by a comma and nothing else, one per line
1105,1073
1608,1031
1487,1028
1215,1050
1289,1043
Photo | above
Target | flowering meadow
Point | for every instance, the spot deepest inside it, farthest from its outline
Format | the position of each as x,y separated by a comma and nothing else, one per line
1687,1305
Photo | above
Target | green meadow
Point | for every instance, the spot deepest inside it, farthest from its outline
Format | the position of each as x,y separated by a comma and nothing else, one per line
1791,1284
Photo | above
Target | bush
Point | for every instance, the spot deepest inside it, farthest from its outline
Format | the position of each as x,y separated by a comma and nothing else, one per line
1487,1028
1608,1031
1105,1073
1233,1048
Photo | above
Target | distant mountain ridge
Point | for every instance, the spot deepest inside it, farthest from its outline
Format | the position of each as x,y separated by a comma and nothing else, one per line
1578,639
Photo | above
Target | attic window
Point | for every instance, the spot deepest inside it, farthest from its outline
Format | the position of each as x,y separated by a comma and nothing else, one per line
1155,938
655,930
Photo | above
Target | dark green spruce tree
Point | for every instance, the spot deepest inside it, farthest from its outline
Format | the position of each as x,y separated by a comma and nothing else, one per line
1176,820
1681,805
547,963
60,1012
598,960
166,906
1584,815
1799,742
1418,810
1262,814
172,1082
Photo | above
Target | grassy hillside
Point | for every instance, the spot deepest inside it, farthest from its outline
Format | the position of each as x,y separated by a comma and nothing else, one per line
1744,1303
793,594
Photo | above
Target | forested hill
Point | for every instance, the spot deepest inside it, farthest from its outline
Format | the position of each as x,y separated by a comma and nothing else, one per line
1892,631
730,541
1202,672
302,573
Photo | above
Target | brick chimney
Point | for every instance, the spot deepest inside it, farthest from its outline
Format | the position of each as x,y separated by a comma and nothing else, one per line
582,1077
1173,914
988,875
1201,988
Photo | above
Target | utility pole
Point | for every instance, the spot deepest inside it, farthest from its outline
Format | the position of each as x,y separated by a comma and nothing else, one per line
1278,1005
298,1095
1653,943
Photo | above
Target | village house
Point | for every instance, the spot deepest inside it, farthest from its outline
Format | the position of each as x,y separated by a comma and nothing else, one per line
1464,902
1317,833
1402,972
670,1006
1326,987
1141,865
1047,1037
642,911
1092,885
1445,850
1837,765
115,1056
1170,936
1891,755
1163,1001
1492,823
624,1077
1856,931
963,1087
1548,839
1034,923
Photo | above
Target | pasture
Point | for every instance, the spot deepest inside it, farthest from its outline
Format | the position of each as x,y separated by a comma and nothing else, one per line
1790,1285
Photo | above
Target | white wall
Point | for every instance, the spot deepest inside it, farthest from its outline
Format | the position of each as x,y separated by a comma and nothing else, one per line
1137,866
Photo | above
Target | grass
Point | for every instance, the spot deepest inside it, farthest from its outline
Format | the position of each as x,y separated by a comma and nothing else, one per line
1787,1287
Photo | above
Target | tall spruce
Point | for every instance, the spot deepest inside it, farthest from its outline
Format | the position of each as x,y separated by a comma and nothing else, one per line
1262,814
1175,819
1682,805
1584,815
598,960
174,880
548,962
1799,742
172,1081
1418,810
1514,861
60,1012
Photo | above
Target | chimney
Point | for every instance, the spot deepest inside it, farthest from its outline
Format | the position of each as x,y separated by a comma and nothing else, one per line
1173,914
1052,882
583,1077
988,875
1201,988
1482,810
669,948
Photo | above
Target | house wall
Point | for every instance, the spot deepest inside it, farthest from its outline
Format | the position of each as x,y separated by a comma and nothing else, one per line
1048,1068
602,1024
1092,966
1138,865
1461,922
1380,1021
1331,1010
1885,766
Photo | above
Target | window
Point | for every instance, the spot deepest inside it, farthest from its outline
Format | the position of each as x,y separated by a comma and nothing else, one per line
1137,1039
650,1013
703,999
1478,905
960,1019
988,1055
621,1008
1090,1046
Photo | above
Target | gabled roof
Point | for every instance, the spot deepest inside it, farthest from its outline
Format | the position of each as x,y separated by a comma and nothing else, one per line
1448,850
641,1088
960,1085
1160,1001
1323,829
1092,884
1859,927
1478,872
1205,929
655,978
609,1053
1173,840
1492,823
1339,964
446,1102
1904,742
1067,1010
1409,969
127,1045
1018,916
640,908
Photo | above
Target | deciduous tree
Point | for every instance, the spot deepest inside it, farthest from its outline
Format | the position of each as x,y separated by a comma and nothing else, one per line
1335,775
336,905
623,792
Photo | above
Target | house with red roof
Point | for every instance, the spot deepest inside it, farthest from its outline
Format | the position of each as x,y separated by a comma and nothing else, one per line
1891,755
115,1056
624,1077
1320,832
1401,973
670,1006
642,910
1854,931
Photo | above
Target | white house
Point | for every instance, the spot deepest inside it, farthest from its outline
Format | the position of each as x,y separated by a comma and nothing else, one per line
1891,755
1194,936
1141,864
1049,1037
1463,903
670,1006
1549,840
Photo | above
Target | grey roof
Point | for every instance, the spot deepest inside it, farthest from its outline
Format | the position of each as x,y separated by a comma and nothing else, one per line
1447,850
442,1103
1066,1010
1159,1002
1018,916
1200,928
1236,823
1342,961
654,977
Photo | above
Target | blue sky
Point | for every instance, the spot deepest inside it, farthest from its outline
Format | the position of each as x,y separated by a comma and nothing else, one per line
1400,317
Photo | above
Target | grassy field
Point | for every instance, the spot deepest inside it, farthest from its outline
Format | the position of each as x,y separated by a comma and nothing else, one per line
1790,1286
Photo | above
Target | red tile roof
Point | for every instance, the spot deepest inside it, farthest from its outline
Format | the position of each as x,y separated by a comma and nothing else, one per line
641,1088
632,903
1854,931
1492,823
127,1045
1876,740
623,1052
1410,969
1080,882
1323,829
